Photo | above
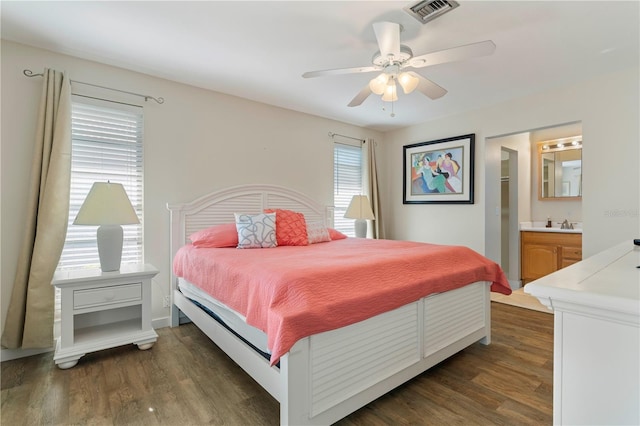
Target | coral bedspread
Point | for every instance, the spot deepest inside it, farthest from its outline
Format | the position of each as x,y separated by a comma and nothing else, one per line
294,292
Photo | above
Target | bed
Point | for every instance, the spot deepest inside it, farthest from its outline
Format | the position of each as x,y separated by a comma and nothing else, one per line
322,377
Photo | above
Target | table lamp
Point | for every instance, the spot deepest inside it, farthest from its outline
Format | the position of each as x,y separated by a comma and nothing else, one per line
360,210
108,206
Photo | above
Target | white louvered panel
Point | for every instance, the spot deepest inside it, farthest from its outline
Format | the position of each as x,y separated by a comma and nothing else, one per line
223,212
452,315
276,201
335,348
395,347
349,378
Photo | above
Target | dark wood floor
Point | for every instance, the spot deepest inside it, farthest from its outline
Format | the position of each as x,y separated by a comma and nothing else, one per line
186,380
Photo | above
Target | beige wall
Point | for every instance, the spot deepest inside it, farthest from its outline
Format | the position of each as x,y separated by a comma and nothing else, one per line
196,142
607,107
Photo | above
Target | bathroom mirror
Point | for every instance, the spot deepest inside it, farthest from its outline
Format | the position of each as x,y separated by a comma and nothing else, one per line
560,169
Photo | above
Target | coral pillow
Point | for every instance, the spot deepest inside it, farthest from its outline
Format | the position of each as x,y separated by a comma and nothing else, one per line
336,235
291,228
224,235
317,232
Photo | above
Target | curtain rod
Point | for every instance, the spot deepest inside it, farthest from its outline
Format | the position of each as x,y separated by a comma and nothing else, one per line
331,134
160,100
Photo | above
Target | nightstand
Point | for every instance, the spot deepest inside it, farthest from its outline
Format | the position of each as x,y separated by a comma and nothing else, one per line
101,310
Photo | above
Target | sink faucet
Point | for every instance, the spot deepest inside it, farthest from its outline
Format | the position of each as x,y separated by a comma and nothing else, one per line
566,225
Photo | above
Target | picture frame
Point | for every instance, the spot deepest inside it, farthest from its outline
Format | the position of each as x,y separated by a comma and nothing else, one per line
440,171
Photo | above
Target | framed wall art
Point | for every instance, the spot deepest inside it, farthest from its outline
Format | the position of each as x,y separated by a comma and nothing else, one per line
439,171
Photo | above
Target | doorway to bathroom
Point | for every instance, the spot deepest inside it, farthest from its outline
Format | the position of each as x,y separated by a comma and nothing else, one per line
511,189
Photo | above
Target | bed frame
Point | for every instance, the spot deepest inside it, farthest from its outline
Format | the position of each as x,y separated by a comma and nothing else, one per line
327,376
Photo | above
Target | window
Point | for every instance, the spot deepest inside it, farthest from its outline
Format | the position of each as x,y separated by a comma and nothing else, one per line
106,140
347,182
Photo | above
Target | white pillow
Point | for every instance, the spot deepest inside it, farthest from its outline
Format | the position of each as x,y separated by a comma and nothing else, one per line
317,232
256,230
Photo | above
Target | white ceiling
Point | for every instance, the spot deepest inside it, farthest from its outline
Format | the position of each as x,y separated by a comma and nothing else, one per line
259,50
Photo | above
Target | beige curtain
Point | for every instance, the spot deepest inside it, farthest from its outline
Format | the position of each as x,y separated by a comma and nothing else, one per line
29,322
374,193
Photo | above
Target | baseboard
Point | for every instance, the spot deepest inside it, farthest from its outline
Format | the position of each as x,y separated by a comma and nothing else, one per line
9,354
161,322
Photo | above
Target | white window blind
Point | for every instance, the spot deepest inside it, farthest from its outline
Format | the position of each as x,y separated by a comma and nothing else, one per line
347,182
106,146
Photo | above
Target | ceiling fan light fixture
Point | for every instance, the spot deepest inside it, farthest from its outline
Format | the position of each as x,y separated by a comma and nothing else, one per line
408,82
392,57
390,92
378,84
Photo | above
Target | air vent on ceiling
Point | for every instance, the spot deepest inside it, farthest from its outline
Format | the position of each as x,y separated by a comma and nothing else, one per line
427,10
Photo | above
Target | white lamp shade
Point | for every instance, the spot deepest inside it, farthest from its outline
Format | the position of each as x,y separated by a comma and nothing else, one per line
359,208
408,82
390,92
378,84
106,204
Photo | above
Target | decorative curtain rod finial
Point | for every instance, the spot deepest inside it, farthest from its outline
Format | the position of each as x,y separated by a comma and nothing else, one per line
30,73
159,100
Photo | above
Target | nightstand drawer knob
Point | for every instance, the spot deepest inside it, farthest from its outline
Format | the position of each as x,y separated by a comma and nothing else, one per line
107,295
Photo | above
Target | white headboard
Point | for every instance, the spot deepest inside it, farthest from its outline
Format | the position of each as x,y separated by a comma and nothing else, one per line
218,207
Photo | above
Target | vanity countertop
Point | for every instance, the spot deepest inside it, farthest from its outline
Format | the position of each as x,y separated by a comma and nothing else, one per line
541,227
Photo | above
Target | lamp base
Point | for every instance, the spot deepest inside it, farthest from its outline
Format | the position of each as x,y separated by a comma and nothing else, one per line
361,228
110,247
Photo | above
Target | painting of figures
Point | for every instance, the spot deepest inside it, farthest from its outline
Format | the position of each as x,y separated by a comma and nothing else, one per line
439,171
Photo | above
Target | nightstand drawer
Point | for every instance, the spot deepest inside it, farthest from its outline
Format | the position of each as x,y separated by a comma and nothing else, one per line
107,295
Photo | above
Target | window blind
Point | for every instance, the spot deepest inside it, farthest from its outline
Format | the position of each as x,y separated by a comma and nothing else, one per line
106,146
347,182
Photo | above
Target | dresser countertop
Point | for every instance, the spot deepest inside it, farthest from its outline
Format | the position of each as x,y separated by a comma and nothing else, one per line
609,280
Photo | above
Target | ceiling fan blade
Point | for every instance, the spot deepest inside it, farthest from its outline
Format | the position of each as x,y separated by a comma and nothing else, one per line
428,87
453,54
338,71
388,36
360,97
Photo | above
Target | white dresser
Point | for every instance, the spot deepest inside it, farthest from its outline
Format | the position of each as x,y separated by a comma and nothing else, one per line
596,305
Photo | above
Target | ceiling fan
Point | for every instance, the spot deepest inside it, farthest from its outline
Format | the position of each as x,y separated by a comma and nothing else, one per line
394,61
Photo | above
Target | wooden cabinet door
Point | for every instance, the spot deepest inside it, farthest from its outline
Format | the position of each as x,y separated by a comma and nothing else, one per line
545,252
538,260
570,255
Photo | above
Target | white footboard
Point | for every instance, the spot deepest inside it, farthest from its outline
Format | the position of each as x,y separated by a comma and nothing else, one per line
327,376
330,375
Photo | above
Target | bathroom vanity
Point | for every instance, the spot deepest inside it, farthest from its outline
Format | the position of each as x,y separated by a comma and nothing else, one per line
547,250
596,306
